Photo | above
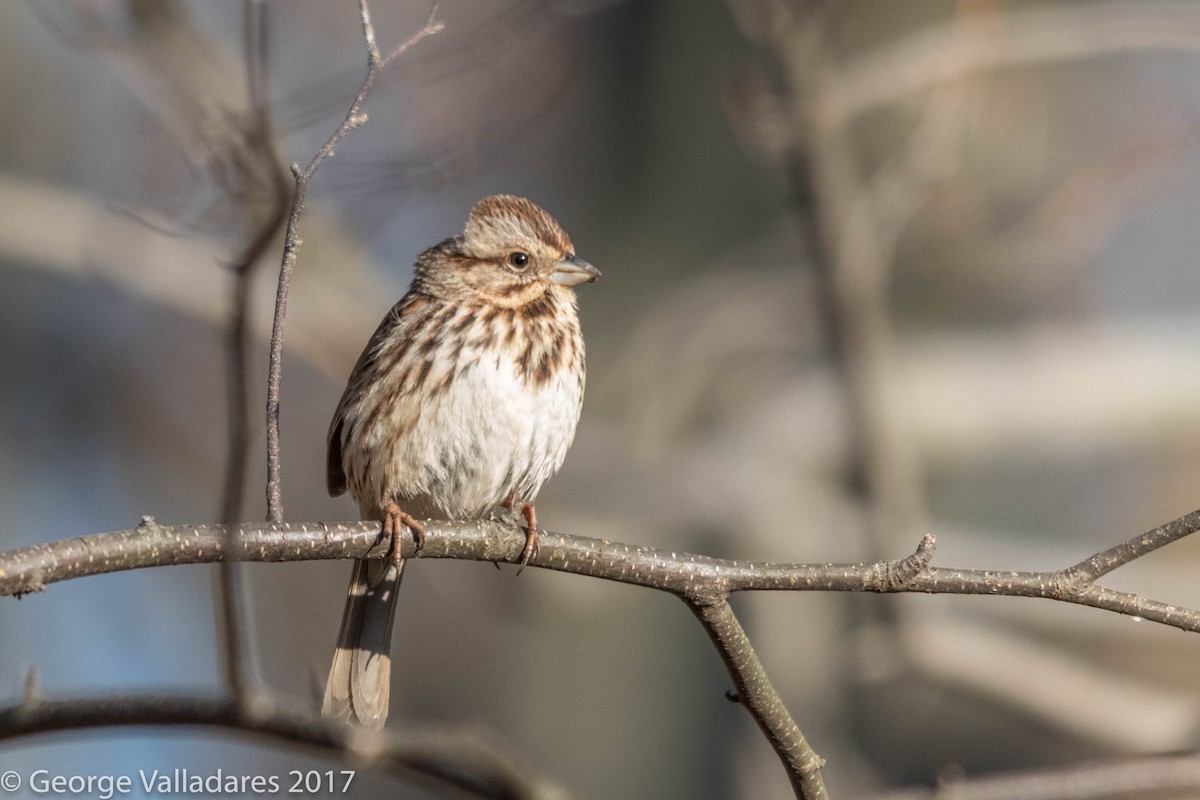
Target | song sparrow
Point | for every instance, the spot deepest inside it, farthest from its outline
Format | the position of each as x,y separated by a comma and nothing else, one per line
465,398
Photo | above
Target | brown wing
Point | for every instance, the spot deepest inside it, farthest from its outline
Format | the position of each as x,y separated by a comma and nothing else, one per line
360,376
335,475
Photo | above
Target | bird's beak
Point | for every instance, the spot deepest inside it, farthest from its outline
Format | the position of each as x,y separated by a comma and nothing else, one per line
573,270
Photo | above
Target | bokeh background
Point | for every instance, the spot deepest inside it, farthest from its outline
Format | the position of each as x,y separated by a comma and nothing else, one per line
984,212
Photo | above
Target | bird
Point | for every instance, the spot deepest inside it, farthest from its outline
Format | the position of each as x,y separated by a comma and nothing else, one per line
465,399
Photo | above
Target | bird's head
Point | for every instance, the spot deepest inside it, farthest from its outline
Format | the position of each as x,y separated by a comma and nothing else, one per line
511,253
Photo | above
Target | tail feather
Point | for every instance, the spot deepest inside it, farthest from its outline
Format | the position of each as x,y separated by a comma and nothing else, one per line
360,678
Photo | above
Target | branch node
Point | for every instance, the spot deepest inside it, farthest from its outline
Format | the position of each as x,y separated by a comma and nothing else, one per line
706,596
898,574
1071,582
733,697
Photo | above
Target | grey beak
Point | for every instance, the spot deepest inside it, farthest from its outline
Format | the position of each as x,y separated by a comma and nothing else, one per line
572,270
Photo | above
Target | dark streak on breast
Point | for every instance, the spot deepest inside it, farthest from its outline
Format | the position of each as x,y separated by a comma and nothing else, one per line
539,308
423,372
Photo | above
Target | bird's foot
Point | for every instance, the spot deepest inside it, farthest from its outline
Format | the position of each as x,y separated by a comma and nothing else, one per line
394,523
510,505
531,536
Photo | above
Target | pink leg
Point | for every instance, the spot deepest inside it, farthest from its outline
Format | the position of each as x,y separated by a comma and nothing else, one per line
394,522
531,538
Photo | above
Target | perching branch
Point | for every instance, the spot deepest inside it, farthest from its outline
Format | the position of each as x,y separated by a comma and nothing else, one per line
689,576
702,582
354,118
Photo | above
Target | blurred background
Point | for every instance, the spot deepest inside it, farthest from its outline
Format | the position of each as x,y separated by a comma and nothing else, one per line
870,271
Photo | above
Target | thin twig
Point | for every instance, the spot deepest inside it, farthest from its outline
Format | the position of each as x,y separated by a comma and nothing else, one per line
443,758
755,692
354,118
1090,569
231,622
261,141
429,28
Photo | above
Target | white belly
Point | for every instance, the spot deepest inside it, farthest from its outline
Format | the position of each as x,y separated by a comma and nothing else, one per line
488,434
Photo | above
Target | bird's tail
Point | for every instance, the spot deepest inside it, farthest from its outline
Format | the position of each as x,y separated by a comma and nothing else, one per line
360,678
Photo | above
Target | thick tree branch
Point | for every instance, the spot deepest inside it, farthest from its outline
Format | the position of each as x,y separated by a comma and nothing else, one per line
444,758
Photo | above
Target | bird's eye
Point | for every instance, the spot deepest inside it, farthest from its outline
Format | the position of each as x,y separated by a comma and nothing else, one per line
518,260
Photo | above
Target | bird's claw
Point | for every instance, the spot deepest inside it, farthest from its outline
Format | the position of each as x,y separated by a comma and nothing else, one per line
394,523
531,537
529,550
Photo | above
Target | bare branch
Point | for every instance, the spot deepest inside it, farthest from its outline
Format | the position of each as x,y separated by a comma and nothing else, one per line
354,118
689,576
1157,775
261,142
442,757
703,583
1038,34
429,29
755,692
1105,562
364,10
